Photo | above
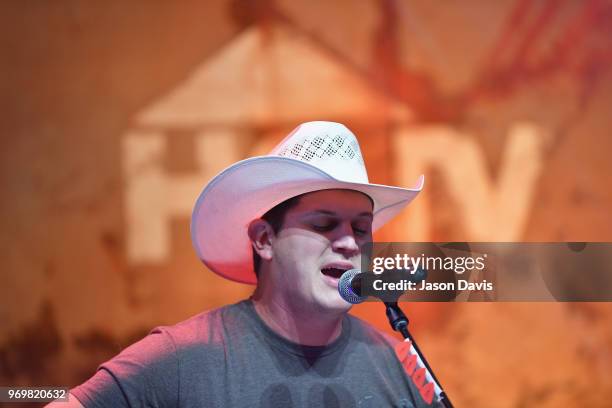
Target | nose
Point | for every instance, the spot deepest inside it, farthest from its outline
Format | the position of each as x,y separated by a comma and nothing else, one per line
346,245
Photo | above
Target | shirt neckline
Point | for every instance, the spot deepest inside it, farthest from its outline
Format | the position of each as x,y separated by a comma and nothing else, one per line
286,345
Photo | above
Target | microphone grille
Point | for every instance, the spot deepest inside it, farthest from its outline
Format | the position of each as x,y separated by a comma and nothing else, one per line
345,290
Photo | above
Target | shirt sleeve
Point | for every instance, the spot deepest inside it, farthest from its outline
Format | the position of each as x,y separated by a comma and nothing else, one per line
143,375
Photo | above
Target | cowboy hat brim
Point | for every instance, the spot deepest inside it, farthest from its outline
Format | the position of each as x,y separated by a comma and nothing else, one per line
249,188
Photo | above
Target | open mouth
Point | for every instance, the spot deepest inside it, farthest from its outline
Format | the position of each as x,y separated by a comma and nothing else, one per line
334,272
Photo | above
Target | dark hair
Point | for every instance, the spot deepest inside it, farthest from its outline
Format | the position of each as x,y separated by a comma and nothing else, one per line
275,217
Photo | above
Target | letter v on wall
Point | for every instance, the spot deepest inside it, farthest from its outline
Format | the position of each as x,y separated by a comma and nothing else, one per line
490,210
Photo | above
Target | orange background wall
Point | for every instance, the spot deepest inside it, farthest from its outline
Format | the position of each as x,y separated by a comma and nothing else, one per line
504,106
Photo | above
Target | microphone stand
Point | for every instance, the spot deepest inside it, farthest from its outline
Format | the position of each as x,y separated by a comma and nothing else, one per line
399,322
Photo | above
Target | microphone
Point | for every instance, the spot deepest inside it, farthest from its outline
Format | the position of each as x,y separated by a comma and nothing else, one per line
352,282
349,286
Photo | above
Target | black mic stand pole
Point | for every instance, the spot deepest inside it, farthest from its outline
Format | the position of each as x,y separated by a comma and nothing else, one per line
399,322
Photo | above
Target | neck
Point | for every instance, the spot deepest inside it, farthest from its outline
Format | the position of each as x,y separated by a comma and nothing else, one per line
299,326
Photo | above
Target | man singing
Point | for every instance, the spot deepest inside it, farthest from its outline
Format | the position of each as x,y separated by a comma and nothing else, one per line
290,223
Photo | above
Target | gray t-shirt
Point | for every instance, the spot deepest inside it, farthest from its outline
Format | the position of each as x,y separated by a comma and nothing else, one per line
228,357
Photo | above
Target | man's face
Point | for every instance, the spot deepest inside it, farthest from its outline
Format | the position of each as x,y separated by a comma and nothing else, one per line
320,238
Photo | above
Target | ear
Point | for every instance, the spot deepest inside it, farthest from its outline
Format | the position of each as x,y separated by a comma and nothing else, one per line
261,235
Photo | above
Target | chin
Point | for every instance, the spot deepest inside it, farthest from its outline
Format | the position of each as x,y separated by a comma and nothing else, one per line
334,305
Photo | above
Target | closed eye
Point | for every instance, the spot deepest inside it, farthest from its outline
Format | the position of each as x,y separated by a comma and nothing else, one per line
324,227
361,228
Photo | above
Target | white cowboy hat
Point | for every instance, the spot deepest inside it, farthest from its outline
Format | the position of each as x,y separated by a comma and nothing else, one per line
314,156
